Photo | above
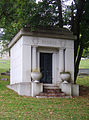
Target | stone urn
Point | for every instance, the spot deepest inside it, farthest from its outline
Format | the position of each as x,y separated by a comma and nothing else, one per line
36,76
65,76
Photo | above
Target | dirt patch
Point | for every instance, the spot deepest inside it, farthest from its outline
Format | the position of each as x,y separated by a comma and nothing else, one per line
84,91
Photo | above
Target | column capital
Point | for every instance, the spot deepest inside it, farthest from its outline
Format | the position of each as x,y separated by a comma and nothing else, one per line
34,46
62,48
55,51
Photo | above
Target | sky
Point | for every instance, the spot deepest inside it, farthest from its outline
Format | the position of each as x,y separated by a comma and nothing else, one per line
38,1
67,3
1,31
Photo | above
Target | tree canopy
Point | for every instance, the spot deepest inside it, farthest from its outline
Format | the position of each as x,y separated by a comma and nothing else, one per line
15,14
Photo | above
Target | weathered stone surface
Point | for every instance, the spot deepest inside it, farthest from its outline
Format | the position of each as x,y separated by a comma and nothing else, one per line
75,90
21,88
36,88
27,88
70,89
26,48
66,88
51,93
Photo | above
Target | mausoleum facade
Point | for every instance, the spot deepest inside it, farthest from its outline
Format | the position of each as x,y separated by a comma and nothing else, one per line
49,51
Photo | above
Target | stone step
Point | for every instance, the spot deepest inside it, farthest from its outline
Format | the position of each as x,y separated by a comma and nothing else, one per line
53,97
52,90
45,95
50,86
51,93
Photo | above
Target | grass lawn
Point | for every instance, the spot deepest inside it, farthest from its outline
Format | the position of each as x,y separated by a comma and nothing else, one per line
84,64
15,107
4,65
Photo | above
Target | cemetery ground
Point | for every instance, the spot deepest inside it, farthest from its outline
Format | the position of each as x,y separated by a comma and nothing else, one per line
15,107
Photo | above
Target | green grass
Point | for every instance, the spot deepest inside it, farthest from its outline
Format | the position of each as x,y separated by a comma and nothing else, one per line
83,80
4,65
84,64
15,107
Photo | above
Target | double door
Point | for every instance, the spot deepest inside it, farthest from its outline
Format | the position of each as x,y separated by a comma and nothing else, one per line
46,67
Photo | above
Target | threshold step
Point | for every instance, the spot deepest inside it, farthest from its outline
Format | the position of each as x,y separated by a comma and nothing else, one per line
51,86
53,97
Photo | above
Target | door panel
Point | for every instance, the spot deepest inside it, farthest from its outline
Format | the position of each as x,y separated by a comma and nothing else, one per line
46,67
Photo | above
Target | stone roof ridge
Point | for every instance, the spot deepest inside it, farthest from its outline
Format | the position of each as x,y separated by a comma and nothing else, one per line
49,30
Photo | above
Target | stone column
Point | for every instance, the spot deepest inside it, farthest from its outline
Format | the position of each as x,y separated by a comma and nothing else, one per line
34,57
61,60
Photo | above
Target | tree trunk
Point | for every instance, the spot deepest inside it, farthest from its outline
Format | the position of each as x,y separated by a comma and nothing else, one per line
78,49
72,18
77,63
60,13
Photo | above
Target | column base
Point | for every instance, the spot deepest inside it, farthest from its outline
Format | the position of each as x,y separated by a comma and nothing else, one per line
36,88
70,89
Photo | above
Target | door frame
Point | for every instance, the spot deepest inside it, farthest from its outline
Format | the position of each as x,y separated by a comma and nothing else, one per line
54,52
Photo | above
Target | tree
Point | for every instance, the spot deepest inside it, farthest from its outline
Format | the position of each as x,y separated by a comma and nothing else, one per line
77,17
81,29
15,14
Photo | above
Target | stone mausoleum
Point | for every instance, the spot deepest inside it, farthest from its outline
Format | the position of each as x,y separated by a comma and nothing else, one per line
42,59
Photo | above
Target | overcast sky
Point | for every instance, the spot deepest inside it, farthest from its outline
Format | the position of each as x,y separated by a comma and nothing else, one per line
67,3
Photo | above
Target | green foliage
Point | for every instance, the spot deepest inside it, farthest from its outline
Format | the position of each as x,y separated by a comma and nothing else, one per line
19,14
85,52
16,14
85,26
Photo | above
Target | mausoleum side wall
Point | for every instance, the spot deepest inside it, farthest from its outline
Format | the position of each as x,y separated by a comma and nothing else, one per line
16,63
26,62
